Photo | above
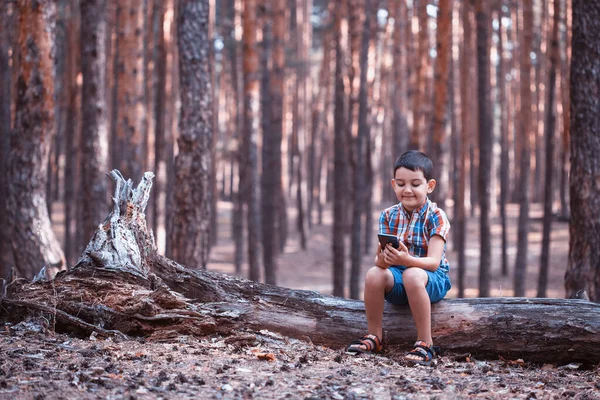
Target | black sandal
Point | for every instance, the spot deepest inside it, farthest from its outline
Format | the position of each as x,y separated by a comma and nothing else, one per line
423,350
369,344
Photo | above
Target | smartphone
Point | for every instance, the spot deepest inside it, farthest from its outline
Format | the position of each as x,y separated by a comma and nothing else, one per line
385,239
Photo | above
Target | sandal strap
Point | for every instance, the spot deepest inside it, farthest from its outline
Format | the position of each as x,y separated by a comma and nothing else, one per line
370,341
423,349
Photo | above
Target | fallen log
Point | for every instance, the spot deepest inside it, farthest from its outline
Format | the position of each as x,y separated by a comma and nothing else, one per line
121,286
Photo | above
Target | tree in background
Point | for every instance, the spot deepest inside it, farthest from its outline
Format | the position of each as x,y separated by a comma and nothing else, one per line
583,271
33,241
440,111
360,158
504,141
94,127
485,144
130,109
190,228
465,118
340,160
549,127
6,17
525,133
249,183
272,162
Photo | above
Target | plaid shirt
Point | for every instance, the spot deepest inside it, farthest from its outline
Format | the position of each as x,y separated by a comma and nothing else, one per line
415,229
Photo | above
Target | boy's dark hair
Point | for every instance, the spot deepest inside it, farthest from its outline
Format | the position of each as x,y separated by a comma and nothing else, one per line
415,161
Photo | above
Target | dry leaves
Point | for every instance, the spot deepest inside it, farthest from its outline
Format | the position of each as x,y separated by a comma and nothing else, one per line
33,365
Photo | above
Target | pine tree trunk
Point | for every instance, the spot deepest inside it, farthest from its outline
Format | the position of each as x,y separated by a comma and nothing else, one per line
340,157
360,158
61,98
525,131
583,270
249,170
320,114
6,17
237,220
160,146
442,63
549,127
72,203
565,72
504,141
466,137
271,175
485,145
417,135
190,228
215,161
541,34
33,241
400,131
94,133
130,106
300,121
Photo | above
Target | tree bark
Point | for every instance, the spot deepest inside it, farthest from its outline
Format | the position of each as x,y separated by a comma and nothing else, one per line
73,242
130,106
549,127
321,106
94,125
300,121
525,162
359,178
161,146
6,16
33,241
466,135
249,182
190,227
237,220
400,131
504,140
583,270
485,145
565,72
340,160
420,88
272,162
442,73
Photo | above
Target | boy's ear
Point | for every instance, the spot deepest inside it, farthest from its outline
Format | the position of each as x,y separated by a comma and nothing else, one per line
431,185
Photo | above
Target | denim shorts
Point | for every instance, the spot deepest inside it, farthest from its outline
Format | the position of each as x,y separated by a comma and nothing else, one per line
437,286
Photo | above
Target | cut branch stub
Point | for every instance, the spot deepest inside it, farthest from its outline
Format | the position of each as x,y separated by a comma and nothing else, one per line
123,242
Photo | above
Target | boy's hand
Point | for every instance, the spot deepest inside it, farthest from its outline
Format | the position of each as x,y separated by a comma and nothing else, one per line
379,258
400,256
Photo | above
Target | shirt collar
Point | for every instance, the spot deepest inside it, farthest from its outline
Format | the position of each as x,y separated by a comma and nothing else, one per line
420,211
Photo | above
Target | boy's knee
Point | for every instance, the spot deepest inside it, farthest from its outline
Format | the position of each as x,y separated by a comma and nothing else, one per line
375,277
414,278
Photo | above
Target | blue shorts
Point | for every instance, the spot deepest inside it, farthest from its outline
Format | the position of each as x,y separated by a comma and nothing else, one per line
438,285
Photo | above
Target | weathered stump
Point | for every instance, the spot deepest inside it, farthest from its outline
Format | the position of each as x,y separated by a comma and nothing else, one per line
121,286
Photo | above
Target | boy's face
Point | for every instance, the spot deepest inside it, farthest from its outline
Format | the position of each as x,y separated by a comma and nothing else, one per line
411,188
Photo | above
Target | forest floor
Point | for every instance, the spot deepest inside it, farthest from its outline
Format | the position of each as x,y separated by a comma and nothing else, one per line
38,364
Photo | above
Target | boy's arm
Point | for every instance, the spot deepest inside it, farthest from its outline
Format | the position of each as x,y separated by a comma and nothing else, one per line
401,256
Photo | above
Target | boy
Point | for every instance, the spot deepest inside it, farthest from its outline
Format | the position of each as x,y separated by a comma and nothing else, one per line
417,272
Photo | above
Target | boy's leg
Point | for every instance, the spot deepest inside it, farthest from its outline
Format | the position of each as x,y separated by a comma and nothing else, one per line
415,281
378,282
